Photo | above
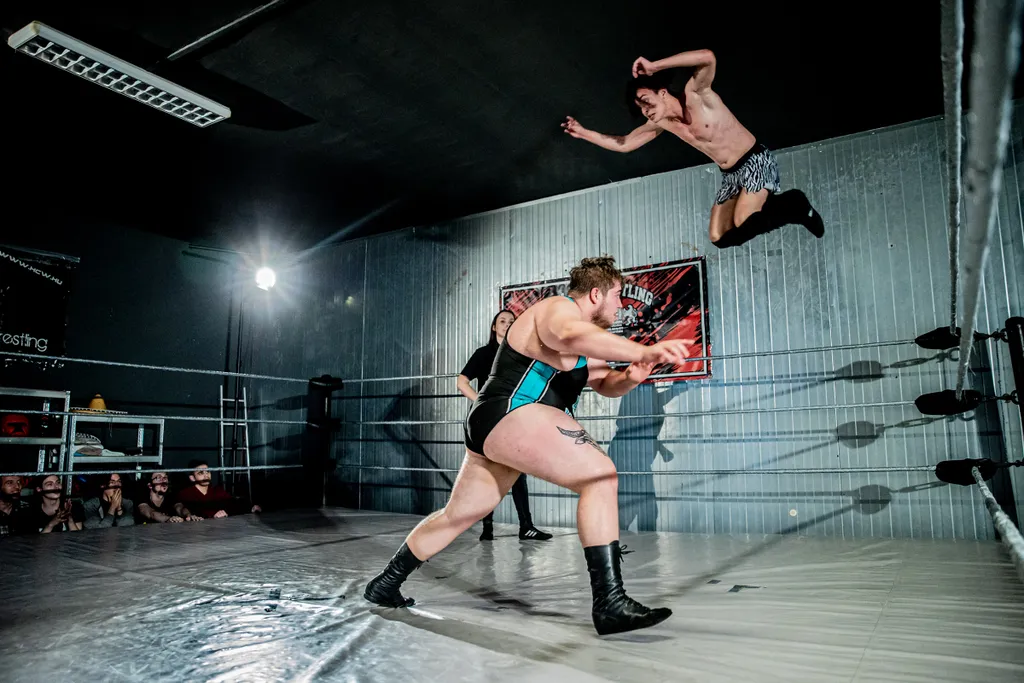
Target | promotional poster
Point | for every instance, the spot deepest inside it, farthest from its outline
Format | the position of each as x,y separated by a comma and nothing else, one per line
661,301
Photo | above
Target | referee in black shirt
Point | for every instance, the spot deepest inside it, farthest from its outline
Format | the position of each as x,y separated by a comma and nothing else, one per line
478,368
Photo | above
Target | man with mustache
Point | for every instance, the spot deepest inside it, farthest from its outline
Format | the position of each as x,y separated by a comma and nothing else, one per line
157,504
207,500
15,513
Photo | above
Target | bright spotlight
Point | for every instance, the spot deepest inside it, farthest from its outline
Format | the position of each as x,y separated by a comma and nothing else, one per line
265,278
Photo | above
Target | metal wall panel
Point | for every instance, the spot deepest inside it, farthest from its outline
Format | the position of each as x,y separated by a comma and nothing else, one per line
310,324
880,273
431,295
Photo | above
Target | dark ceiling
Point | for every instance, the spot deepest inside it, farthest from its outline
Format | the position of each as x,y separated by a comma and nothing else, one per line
421,111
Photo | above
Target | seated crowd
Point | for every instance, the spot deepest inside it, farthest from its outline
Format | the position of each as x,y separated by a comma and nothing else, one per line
110,505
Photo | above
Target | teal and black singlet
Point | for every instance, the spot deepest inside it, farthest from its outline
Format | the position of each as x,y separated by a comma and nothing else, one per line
515,381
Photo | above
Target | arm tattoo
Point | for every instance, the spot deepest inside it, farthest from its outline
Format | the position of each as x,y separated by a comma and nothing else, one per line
581,437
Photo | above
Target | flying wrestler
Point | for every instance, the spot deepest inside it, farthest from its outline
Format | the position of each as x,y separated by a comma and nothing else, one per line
523,421
748,203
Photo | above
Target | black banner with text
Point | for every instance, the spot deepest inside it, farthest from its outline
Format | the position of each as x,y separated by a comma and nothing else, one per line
35,288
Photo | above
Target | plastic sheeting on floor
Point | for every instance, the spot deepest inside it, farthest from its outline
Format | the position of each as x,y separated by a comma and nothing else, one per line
278,598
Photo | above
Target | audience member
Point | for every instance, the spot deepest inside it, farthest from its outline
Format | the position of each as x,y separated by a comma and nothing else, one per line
52,511
15,517
110,508
159,506
208,500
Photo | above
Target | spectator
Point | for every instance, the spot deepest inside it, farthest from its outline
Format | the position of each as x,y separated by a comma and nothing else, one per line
110,508
158,506
211,501
14,512
52,512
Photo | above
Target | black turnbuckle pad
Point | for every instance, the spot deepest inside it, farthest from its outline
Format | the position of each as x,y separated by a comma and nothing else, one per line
939,339
959,471
946,402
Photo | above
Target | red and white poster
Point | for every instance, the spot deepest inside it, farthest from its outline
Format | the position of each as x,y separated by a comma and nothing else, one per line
661,301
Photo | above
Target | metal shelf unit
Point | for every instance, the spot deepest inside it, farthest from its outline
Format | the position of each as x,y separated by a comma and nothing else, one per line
116,460
42,442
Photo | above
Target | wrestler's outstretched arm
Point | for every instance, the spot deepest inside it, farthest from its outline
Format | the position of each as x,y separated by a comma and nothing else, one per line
703,60
635,139
616,383
561,327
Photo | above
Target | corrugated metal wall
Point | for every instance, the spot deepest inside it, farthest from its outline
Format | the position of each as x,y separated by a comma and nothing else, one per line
418,302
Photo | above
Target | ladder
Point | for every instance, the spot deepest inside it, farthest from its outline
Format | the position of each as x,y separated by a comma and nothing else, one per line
238,437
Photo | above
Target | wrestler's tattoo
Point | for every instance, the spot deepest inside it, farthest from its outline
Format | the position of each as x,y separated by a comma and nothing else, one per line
581,437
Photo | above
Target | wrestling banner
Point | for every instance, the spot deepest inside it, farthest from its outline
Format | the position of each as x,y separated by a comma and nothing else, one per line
662,301
35,287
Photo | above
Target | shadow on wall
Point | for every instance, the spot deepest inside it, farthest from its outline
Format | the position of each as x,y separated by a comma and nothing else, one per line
405,439
635,447
858,372
277,444
856,434
636,443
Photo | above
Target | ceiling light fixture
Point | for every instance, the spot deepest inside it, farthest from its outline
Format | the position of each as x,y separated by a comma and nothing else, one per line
69,54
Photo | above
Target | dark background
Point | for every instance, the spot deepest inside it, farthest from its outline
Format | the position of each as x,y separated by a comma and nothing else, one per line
138,298
421,111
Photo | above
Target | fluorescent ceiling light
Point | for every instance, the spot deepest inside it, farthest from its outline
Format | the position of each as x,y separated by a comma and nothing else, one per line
61,50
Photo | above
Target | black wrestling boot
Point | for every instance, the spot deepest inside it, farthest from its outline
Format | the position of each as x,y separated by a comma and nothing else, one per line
488,533
614,611
532,533
758,223
383,588
793,206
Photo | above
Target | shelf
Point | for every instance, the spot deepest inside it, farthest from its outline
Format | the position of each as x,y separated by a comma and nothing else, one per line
114,459
119,419
30,441
34,393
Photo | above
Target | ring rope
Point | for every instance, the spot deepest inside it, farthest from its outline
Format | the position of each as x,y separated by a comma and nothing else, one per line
183,418
585,418
701,473
141,366
994,62
245,375
176,470
1004,525
952,78
713,413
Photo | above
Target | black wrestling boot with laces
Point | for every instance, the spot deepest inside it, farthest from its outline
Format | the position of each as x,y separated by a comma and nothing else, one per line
488,532
383,588
613,610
